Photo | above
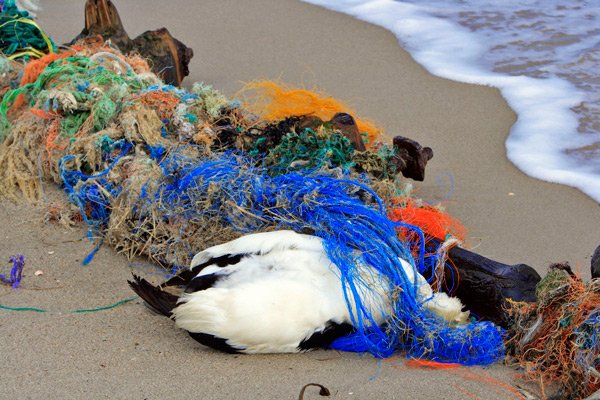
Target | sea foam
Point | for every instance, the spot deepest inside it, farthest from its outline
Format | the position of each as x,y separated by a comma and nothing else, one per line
541,55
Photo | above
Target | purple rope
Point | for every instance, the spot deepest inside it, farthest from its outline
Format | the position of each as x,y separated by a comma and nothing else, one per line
16,271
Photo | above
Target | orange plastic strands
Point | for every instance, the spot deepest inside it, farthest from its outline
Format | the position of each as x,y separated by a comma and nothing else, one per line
274,101
43,114
138,64
93,45
84,129
162,101
33,69
51,137
552,355
435,223
393,359
429,364
496,384
467,393
51,133
578,267
462,371
431,219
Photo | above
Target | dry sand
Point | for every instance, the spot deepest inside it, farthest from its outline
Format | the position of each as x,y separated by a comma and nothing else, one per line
128,353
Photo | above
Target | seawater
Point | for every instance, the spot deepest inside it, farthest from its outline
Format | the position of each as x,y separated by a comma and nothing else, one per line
544,56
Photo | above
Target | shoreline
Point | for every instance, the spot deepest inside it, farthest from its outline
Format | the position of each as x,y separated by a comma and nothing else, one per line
129,353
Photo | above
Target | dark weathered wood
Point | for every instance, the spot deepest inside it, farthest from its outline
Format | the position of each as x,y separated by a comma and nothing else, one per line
596,263
167,56
483,285
345,123
102,18
411,158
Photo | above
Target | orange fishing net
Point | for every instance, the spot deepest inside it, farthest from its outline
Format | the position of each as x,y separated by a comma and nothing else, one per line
433,220
467,373
556,340
163,102
32,71
435,223
274,101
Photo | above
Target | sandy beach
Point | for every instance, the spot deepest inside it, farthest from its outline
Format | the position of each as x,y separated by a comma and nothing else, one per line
126,352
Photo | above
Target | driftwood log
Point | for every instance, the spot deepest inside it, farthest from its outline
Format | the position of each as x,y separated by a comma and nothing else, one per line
596,263
484,285
410,158
167,56
169,59
345,123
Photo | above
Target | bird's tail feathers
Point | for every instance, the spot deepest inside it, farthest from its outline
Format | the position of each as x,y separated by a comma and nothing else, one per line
159,300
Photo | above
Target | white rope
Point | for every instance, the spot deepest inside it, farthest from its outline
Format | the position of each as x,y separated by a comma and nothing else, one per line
442,257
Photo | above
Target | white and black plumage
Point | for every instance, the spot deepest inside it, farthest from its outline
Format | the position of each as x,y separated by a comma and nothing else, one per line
275,292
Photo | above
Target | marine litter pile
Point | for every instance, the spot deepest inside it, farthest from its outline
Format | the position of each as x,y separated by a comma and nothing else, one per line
164,172
556,341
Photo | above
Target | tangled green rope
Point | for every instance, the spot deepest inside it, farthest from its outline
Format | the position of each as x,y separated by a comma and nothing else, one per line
306,151
20,36
70,311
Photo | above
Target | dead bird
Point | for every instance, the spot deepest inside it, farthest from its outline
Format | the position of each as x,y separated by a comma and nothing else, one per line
278,292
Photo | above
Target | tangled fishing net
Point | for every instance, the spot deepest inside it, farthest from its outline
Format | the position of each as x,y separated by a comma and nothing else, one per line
166,172
196,191
274,101
20,36
434,222
556,341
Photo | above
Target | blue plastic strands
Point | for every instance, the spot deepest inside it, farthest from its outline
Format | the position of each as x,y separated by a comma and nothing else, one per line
93,193
587,345
198,188
15,272
228,189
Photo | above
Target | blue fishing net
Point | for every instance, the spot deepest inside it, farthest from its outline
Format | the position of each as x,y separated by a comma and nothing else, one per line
228,188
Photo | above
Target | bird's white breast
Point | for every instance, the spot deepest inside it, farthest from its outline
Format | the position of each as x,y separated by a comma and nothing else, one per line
267,303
